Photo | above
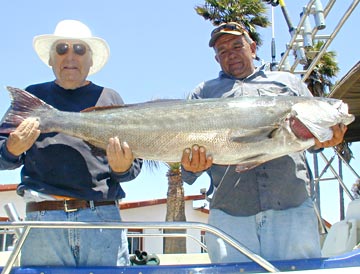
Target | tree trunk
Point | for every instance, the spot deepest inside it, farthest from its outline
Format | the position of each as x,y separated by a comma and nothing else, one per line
175,211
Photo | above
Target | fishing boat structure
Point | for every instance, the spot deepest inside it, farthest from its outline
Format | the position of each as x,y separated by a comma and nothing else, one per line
348,262
341,242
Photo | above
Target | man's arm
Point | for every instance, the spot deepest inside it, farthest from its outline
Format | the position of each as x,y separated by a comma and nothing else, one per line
122,164
19,141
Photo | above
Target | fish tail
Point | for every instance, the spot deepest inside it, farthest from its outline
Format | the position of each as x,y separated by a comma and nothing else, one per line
23,105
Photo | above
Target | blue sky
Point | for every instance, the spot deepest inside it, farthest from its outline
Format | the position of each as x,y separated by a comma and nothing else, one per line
159,49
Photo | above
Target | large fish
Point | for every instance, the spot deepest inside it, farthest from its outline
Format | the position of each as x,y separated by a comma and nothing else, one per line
246,131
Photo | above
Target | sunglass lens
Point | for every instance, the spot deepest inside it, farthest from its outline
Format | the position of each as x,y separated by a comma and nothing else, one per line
62,48
79,49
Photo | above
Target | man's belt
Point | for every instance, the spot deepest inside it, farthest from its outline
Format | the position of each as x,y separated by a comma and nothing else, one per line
66,205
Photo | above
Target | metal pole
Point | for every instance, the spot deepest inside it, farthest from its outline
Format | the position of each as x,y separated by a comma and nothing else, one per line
337,177
341,192
131,225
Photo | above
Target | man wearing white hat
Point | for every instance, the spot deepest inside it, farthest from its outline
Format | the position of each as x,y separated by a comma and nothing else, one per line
61,178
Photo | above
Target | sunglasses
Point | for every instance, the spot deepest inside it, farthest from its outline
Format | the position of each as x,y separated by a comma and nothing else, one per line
63,48
230,27
233,27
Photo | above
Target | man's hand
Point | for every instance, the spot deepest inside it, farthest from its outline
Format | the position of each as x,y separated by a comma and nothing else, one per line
338,136
195,160
23,137
120,156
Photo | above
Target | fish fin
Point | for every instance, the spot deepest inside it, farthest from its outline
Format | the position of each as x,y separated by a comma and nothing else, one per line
253,136
23,105
245,167
163,100
102,108
248,164
154,102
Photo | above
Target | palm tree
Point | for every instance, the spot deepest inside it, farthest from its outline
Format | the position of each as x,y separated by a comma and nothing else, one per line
250,13
319,79
175,209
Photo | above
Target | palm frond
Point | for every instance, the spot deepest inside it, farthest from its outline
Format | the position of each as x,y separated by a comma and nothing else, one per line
250,13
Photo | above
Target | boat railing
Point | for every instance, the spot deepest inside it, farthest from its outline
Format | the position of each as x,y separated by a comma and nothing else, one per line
23,228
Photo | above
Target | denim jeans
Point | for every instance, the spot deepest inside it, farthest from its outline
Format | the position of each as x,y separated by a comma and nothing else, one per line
273,234
76,247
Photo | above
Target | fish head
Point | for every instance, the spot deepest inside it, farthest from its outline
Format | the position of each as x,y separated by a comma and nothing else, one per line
318,116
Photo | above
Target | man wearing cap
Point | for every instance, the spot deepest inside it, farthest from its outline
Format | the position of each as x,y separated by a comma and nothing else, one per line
62,179
266,208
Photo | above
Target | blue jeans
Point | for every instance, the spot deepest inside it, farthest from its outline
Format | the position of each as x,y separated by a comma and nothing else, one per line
272,234
76,247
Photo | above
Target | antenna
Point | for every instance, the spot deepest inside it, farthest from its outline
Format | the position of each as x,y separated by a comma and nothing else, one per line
319,15
273,46
307,31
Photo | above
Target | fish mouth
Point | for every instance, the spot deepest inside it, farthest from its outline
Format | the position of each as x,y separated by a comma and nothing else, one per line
299,129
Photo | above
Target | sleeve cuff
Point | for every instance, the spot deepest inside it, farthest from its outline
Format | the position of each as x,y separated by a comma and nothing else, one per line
9,156
128,175
120,175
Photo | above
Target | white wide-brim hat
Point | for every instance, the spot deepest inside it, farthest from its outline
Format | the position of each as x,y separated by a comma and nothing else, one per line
73,30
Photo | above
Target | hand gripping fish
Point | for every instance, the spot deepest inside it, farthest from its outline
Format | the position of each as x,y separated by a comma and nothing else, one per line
245,131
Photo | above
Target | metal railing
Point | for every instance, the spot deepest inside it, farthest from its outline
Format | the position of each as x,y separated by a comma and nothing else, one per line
27,226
